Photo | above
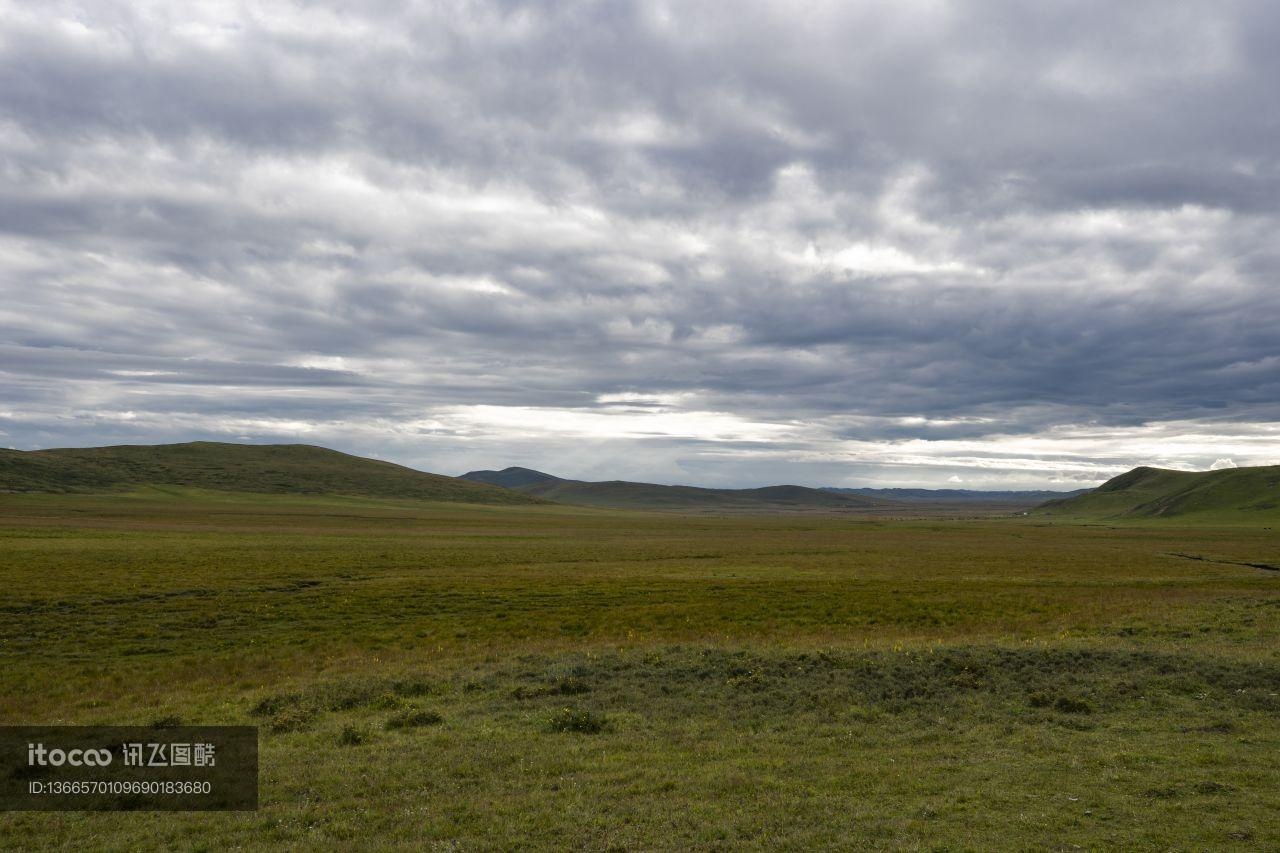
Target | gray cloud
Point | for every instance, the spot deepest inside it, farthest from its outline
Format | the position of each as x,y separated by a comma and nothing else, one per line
893,243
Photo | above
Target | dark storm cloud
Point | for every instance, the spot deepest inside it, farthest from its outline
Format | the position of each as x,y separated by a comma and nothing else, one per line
809,233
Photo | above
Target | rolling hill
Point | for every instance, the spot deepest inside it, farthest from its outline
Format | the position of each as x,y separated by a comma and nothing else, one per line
620,494
628,495
262,468
1244,494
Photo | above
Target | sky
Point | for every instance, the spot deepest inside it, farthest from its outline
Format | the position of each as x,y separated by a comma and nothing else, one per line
978,244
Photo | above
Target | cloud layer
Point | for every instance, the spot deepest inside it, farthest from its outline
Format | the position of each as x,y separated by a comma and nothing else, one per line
833,243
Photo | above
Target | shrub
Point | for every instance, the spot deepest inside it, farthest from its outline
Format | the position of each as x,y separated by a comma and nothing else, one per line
386,702
1168,792
742,677
1067,705
1218,727
411,687
351,736
271,705
570,686
344,695
413,719
567,686
577,720
1212,787
292,719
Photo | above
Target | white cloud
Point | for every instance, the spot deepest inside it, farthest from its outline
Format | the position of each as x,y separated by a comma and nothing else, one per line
620,422
719,248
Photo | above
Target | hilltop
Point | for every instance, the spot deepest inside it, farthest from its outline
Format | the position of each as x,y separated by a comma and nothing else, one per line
262,468
511,478
1231,494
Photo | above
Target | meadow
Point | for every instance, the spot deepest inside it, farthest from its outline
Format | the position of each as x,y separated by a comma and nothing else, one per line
448,676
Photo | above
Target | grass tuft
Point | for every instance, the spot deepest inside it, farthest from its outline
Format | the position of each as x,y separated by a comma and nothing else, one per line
269,706
577,720
1068,705
352,736
413,719
292,719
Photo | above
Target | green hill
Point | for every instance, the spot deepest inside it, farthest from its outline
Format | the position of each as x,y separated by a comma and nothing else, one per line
620,494
263,468
1232,494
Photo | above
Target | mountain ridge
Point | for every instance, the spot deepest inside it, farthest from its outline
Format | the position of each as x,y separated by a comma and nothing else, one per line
630,494
625,494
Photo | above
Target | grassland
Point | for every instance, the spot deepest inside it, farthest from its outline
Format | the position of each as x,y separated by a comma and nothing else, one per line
449,676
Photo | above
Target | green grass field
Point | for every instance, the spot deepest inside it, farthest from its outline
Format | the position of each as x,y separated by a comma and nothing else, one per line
447,676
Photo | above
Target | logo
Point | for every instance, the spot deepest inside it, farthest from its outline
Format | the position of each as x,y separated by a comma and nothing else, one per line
38,755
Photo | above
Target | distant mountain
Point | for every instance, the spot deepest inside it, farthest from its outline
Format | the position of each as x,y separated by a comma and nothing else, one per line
619,494
954,496
1232,494
264,468
510,478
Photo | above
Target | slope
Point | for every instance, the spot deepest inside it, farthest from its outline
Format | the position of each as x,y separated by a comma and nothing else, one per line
262,468
1231,494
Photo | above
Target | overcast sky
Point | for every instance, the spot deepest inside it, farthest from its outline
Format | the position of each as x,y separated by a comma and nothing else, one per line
1000,244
